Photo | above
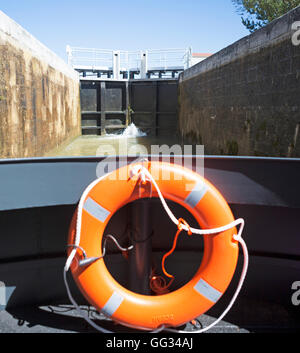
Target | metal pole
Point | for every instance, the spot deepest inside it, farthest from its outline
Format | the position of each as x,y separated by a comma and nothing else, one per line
116,64
103,107
144,64
140,256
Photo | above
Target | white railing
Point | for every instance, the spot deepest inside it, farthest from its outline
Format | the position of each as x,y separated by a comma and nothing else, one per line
167,58
118,61
90,57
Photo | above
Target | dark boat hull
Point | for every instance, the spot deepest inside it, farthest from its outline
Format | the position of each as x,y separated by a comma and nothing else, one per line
39,197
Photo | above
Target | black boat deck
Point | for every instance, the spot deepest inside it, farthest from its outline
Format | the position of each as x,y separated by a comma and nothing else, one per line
39,196
247,316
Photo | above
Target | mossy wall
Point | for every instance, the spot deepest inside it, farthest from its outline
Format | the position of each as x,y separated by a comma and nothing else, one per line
245,99
39,95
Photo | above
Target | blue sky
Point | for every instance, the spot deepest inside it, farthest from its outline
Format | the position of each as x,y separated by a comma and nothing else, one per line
206,26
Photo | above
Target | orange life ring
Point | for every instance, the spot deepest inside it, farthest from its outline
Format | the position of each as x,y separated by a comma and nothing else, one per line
210,210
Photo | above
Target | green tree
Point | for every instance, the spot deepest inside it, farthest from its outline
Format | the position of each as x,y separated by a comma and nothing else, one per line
257,13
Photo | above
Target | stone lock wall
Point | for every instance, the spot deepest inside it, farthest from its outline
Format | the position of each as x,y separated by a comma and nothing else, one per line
245,99
39,95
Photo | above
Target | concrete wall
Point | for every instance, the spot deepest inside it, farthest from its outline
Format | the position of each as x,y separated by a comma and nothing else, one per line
245,99
39,95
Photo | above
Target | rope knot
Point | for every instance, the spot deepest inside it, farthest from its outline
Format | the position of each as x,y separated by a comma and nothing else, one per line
181,223
140,171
